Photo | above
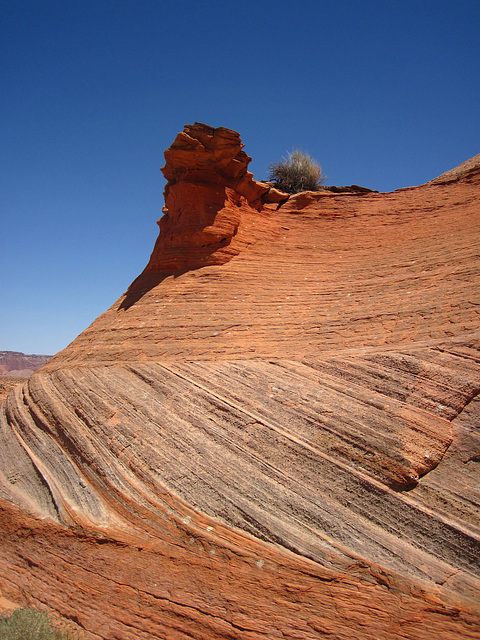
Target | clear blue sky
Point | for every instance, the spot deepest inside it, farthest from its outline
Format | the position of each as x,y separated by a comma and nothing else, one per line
383,94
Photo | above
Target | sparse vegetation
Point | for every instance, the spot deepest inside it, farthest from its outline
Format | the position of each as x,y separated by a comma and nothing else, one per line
298,172
30,624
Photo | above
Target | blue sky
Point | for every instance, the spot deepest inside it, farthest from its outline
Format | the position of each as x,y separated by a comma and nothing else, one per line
382,94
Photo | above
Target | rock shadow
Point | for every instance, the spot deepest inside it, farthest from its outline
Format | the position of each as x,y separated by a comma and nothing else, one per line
145,282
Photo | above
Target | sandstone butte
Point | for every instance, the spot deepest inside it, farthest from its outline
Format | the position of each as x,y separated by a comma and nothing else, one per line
274,433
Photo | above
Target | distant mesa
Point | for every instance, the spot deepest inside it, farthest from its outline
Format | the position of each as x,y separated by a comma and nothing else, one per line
15,367
16,364
274,433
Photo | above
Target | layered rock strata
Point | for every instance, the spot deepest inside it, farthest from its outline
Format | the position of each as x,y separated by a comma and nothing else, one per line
275,435
212,203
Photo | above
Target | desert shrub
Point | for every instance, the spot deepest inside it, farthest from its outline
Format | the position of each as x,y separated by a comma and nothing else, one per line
30,624
298,172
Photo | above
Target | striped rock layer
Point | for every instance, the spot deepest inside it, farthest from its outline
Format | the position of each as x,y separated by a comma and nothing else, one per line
274,433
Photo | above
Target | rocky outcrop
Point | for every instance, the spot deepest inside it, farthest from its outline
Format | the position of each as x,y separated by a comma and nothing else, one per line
282,443
7,385
212,202
467,171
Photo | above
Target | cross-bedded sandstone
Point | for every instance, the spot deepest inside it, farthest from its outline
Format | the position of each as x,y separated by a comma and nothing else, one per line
274,432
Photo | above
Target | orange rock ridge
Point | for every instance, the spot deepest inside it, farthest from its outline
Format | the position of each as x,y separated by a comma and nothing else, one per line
274,433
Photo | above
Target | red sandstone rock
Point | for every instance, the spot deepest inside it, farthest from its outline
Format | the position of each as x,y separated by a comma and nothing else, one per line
282,443
211,201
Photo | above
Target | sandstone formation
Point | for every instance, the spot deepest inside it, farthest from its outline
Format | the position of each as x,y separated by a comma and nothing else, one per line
15,366
212,204
274,433
8,384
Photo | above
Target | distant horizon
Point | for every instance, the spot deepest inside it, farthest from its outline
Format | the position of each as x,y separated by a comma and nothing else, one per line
382,95
43,355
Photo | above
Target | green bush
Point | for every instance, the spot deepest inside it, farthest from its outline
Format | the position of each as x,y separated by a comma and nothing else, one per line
296,173
30,624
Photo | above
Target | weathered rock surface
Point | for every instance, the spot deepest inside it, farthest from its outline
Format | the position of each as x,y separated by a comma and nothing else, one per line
212,202
7,385
275,435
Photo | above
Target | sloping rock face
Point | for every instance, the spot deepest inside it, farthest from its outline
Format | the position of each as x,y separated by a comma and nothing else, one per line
275,435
